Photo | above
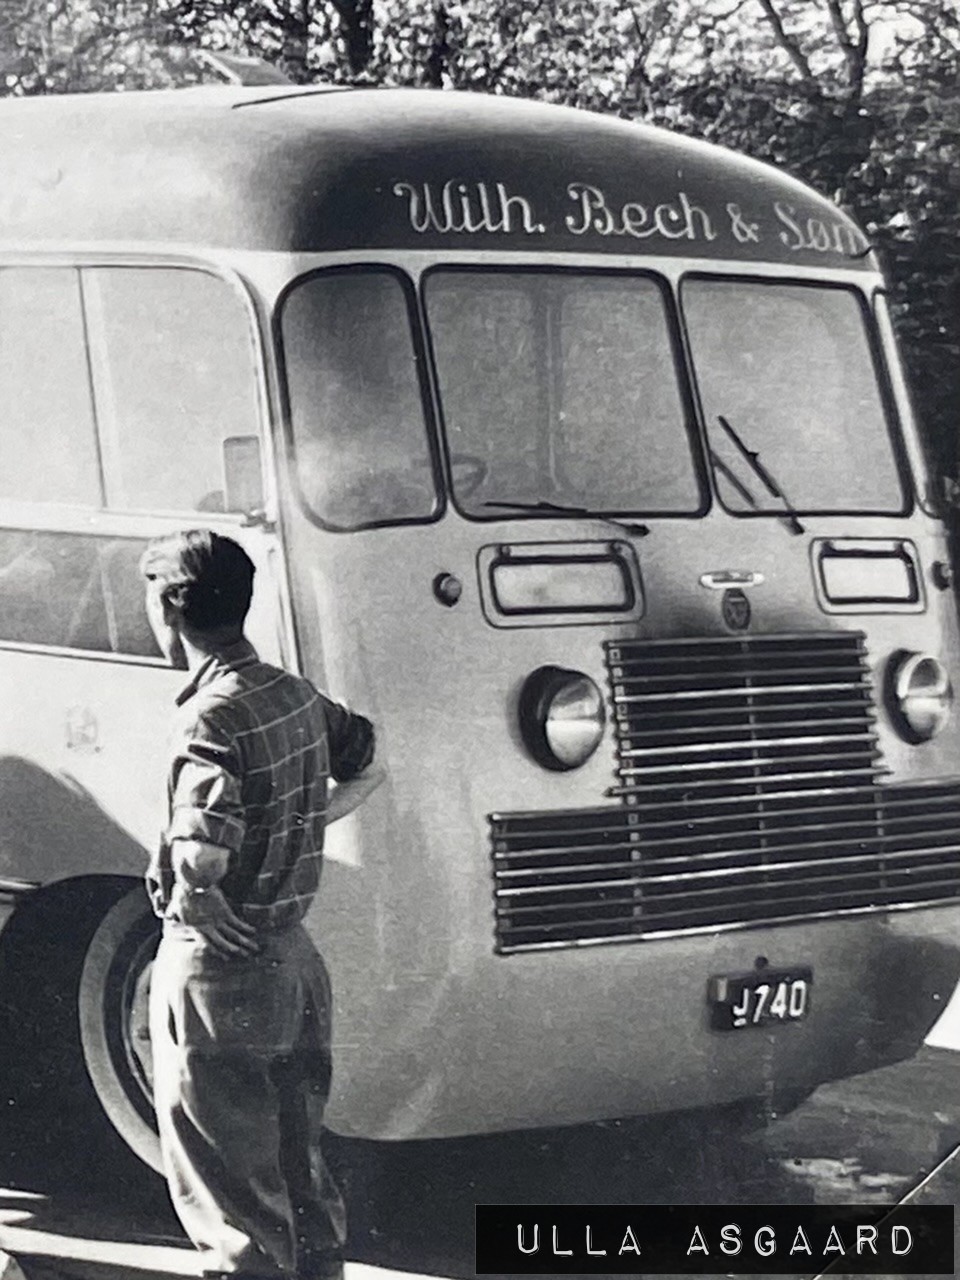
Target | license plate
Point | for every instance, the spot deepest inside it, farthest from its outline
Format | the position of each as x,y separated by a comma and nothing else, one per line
760,998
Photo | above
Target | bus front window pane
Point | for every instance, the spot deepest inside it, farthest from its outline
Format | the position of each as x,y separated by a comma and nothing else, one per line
358,422
790,369
175,376
563,387
47,434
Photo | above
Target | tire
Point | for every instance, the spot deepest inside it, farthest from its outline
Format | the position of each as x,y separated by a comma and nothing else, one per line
114,1031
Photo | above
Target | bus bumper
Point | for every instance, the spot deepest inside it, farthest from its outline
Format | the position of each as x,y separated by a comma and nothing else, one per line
605,1032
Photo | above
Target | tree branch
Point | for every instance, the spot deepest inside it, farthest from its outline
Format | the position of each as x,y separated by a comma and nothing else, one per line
854,51
788,43
356,22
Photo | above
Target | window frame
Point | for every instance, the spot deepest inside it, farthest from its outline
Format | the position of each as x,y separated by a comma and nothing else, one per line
690,420
920,460
421,362
887,404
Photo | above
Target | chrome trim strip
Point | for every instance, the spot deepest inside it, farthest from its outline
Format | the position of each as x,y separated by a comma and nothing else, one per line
748,784
755,671
677,731
758,870
720,579
754,762
861,704
743,691
717,854
749,744
618,817
812,639
754,793
681,906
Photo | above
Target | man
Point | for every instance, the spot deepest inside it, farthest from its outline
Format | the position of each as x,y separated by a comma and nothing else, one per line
240,999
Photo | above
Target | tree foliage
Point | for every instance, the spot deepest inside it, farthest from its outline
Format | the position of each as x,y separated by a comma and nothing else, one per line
861,98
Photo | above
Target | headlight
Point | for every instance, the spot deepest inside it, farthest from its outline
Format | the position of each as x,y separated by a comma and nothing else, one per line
561,717
919,694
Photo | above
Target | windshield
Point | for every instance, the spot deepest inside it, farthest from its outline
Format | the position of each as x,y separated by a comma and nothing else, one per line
789,368
560,388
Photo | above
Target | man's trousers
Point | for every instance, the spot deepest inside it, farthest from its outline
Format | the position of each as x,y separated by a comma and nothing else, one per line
241,1052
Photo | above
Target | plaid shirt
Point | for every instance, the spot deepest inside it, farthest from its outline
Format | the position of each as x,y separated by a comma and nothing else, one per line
253,750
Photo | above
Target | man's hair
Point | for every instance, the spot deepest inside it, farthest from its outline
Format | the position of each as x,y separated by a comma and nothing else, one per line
206,578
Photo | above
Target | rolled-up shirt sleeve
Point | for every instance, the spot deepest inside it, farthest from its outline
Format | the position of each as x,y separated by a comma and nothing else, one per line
205,799
352,741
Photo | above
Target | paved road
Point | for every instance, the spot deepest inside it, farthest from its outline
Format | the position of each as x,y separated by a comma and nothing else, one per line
870,1139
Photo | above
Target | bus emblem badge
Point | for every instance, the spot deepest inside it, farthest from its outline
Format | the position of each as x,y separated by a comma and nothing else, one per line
736,610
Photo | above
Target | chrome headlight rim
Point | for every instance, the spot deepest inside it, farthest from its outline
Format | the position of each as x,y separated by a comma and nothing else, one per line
562,717
919,695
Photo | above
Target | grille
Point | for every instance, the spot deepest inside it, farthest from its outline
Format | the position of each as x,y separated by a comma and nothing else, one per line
750,792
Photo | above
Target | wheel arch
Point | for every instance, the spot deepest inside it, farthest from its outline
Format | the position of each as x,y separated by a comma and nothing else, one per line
58,982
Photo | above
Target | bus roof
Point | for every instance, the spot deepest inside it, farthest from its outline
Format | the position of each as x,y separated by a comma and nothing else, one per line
320,169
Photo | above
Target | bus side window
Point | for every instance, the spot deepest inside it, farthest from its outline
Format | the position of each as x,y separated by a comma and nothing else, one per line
47,433
174,368
73,591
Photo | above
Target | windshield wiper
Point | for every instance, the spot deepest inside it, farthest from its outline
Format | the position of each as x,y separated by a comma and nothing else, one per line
561,509
789,517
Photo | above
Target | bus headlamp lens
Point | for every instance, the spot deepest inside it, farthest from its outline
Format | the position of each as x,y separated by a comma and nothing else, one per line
562,717
920,695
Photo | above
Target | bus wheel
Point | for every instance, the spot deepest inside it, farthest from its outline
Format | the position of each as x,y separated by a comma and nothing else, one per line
114,1027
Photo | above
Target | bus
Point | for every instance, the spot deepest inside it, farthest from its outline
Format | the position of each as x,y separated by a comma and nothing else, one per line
578,456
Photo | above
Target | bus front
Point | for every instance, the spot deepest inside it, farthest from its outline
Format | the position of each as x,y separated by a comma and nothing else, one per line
601,496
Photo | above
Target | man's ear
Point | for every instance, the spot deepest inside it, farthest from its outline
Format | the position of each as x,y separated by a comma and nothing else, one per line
173,599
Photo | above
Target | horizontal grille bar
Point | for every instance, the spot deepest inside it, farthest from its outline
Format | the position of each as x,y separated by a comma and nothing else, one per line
693,647
701,862
839,867
646,754
756,691
723,736
606,936
675,716
658,800
819,778
646,769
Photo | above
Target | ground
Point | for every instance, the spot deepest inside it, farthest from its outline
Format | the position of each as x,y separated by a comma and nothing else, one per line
874,1138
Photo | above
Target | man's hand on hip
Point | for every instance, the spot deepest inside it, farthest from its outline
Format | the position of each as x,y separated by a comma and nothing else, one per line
208,911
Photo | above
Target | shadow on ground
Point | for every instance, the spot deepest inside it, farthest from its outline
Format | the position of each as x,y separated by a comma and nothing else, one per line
866,1140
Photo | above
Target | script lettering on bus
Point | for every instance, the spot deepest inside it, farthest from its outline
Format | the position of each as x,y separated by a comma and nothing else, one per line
677,219
470,207
458,207
816,234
